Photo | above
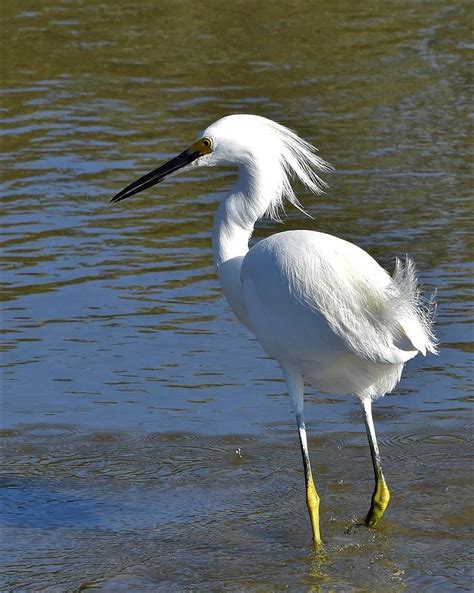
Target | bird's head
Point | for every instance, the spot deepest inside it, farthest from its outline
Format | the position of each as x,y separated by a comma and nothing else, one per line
247,141
242,140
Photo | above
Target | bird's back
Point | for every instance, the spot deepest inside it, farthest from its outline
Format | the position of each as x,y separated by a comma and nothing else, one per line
325,305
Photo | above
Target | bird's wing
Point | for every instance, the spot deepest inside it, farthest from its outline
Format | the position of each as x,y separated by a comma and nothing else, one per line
340,283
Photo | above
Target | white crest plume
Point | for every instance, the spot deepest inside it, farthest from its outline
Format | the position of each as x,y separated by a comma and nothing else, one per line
274,157
299,161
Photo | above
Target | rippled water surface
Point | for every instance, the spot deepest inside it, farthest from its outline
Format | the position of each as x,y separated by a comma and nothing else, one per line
148,443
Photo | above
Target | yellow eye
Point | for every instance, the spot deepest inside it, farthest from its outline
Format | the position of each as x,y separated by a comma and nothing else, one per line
206,142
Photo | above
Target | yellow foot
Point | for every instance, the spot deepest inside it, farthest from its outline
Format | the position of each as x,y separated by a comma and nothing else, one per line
312,500
380,500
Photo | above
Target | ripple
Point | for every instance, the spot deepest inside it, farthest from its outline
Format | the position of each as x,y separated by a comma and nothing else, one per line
454,436
48,430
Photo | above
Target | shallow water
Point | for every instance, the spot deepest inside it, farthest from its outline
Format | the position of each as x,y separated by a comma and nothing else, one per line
148,443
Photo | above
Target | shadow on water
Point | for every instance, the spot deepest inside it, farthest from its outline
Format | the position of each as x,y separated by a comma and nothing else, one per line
148,444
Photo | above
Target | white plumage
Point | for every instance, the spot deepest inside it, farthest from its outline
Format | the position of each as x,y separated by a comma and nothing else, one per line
321,306
318,304
325,307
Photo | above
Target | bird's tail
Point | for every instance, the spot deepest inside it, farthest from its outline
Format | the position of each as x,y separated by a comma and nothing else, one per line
416,313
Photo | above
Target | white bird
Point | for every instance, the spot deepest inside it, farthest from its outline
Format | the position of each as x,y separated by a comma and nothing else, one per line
321,306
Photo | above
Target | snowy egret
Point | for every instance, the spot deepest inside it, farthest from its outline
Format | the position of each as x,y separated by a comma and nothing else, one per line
321,306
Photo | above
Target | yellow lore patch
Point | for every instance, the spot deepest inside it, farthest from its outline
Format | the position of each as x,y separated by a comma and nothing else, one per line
204,146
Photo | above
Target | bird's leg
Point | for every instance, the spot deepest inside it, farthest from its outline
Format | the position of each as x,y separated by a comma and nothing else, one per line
381,495
295,384
312,496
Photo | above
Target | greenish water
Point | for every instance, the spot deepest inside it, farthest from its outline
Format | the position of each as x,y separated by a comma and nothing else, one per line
147,442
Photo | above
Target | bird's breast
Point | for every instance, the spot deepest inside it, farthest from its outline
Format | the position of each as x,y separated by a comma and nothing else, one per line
277,276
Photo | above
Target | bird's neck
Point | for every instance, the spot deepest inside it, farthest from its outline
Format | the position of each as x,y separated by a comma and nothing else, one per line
233,226
231,231
249,199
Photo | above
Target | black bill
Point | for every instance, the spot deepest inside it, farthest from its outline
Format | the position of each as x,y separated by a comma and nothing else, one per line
157,175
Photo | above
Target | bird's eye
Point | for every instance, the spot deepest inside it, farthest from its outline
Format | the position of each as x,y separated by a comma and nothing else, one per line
206,142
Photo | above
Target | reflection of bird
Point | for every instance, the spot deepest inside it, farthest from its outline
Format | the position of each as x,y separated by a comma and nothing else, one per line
322,307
